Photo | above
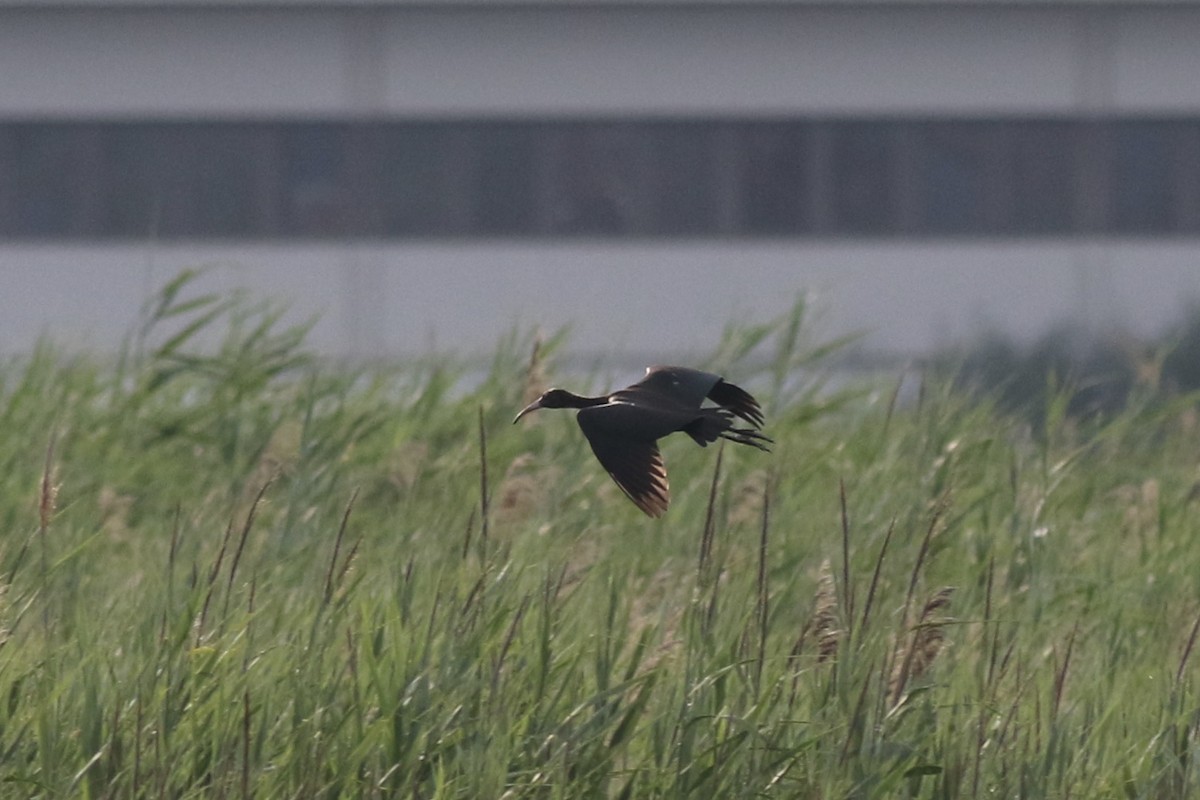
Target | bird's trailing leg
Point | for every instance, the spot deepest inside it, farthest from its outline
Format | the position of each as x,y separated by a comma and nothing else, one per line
749,436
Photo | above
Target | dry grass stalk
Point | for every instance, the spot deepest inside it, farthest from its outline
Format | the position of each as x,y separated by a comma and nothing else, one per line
483,483
857,720
706,538
1187,652
1060,674
849,591
924,646
871,590
213,573
764,593
330,574
498,667
5,630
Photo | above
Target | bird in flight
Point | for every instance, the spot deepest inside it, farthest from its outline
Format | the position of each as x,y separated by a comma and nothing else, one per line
624,427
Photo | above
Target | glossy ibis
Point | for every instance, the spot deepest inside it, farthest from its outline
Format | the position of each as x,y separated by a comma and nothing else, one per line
624,427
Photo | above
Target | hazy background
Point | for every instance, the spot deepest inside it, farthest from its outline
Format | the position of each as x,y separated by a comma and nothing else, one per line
431,174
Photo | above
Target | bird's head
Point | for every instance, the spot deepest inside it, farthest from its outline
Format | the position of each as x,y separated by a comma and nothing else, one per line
552,398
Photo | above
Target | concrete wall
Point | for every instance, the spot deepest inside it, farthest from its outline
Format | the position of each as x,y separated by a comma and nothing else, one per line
515,60
313,60
667,298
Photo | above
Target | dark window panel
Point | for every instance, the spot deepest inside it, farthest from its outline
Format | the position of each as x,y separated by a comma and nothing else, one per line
1092,192
267,179
778,163
134,192
1143,178
362,192
506,200
725,168
422,180
958,175
315,195
8,181
686,159
603,175
864,167
837,177
1187,175
225,189
1041,176
44,179
459,179
182,180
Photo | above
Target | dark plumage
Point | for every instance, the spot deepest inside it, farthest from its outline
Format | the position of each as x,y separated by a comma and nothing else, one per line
624,427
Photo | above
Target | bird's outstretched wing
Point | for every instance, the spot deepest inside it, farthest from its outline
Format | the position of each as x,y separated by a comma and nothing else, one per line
635,465
737,400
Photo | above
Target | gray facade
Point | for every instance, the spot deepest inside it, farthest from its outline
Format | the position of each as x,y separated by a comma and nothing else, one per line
938,73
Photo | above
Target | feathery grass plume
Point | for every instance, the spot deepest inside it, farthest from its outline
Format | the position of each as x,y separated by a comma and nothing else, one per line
522,489
659,602
940,505
1142,507
535,373
48,493
583,556
114,507
823,622
924,646
47,505
746,505
405,464
281,453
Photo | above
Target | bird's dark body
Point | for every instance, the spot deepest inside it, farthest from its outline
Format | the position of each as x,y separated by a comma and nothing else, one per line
624,427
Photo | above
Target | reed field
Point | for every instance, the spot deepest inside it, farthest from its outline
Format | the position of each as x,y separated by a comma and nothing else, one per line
229,569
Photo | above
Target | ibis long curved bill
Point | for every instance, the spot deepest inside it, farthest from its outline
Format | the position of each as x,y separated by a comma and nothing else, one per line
534,406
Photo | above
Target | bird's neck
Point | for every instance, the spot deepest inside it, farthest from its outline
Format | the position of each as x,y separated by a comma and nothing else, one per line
579,401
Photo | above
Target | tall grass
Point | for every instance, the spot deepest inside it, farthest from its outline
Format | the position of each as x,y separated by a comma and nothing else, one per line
231,570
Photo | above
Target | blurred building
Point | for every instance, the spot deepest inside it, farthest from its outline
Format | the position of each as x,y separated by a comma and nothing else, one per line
447,167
